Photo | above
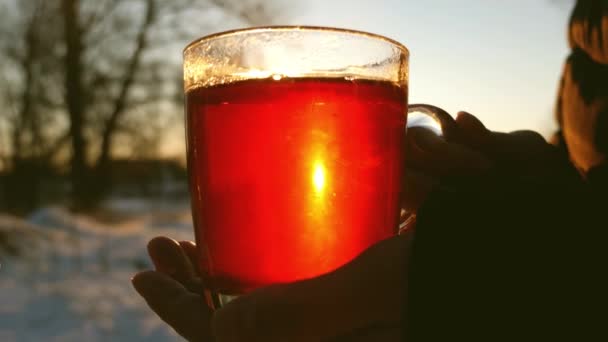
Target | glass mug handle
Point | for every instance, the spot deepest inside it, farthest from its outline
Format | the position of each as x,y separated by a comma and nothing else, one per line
440,122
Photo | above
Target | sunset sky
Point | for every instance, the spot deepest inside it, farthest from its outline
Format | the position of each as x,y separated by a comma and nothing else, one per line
500,60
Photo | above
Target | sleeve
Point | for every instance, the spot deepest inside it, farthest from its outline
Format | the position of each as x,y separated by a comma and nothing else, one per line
498,259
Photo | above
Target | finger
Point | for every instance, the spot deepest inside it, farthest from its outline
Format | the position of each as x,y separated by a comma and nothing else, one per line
194,283
474,132
368,290
189,249
173,303
431,154
521,145
524,151
169,258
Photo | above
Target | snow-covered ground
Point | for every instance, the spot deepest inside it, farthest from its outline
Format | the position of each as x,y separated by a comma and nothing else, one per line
66,277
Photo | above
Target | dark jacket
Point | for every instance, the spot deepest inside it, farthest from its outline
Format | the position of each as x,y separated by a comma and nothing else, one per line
504,257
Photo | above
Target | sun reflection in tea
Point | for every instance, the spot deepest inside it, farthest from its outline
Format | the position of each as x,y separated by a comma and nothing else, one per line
318,177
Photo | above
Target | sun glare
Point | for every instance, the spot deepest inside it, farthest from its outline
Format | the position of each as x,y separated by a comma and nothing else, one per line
318,177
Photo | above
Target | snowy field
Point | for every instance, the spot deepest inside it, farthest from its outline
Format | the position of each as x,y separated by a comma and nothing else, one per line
66,277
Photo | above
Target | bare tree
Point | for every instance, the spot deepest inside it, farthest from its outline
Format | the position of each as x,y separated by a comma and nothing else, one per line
93,72
28,107
30,66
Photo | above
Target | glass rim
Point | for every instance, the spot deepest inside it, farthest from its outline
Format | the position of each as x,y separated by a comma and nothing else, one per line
309,28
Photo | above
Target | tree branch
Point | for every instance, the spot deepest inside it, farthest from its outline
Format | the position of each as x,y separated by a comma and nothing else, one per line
49,152
25,115
121,100
98,16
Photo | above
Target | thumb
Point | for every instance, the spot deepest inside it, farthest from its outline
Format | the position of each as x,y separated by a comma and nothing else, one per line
368,290
474,132
184,311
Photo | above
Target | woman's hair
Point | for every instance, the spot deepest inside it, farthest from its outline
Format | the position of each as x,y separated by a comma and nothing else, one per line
585,78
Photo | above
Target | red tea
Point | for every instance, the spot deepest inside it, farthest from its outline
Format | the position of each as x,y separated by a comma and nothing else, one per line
292,178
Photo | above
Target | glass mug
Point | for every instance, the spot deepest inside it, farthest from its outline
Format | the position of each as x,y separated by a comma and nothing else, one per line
295,142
